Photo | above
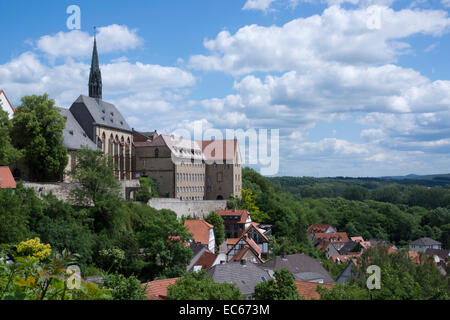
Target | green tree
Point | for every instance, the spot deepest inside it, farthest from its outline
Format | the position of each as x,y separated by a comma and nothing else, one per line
281,288
95,174
198,286
147,190
8,154
164,240
219,228
123,288
37,130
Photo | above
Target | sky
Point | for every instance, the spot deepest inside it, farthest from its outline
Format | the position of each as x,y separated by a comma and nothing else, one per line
355,87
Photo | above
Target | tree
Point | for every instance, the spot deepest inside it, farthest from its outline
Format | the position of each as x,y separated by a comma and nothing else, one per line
147,190
123,288
164,240
37,130
198,286
95,174
8,154
219,228
281,288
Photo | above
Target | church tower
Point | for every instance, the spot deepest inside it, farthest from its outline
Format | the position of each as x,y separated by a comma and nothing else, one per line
95,76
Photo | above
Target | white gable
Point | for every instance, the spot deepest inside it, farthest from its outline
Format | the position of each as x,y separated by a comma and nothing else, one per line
5,105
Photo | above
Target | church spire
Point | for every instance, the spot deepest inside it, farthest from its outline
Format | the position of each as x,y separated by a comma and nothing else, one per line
95,76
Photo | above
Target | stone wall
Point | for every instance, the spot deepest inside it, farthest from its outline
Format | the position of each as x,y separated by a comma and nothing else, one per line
196,208
62,190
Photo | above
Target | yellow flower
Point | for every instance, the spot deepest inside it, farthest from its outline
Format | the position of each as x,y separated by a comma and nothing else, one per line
33,248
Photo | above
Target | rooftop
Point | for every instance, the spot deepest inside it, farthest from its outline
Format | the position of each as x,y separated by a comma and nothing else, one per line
157,290
200,230
6,178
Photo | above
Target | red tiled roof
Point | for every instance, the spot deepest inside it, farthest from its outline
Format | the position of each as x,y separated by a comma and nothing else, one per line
242,213
338,236
238,256
157,290
253,245
308,290
6,178
206,260
232,241
414,256
219,149
345,257
200,230
318,227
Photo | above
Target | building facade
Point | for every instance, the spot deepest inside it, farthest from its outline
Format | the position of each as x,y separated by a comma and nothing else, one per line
223,169
175,164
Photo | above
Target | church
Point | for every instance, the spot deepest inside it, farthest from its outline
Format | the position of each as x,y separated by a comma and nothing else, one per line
98,125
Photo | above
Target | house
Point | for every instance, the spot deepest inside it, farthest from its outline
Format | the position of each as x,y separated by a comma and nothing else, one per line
308,290
322,240
203,261
423,244
235,221
245,275
258,235
6,179
5,105
442,254
341,251
320,228
350,272
157,290
302,267
223,169
360,240
243,249
202,232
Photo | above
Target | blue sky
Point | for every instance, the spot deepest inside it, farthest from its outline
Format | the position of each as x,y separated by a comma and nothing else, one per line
356,87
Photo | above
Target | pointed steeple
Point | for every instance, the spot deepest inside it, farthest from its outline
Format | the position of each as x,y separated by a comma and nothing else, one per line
95,76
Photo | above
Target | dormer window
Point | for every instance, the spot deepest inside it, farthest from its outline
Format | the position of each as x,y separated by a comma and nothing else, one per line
71,132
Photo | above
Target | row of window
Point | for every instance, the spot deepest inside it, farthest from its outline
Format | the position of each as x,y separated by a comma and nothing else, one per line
190,198
190,189
190,177
192,164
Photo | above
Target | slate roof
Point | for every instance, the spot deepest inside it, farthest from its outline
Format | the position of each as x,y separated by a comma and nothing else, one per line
349,273
298,263
347,247
308,276
104,113
245,276
6,178
308,290
73,135
442,253
157,290
425,242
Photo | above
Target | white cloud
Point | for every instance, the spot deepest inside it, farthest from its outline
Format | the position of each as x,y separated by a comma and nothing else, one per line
336,36
77,43
262,5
